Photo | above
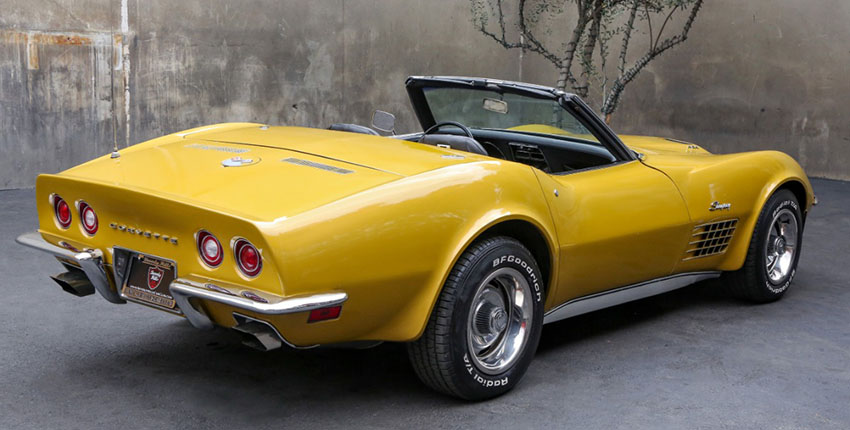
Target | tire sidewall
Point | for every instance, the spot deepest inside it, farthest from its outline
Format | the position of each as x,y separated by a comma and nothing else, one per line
778,202
472,381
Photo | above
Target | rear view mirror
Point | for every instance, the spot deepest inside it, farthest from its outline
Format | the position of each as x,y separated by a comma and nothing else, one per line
383,121
498,106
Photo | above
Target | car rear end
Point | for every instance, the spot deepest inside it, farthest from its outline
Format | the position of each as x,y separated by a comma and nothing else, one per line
293,235
133,245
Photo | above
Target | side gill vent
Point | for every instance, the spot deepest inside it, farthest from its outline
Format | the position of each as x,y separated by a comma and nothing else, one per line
529,154
309,163
710,239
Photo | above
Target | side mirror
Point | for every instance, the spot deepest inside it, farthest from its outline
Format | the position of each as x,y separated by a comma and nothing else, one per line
383,121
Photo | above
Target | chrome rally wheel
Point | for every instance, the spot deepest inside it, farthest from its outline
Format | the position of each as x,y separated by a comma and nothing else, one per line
500,320
485,327
781,246
773,252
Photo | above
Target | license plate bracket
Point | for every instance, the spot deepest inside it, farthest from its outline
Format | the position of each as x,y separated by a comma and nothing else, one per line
146,281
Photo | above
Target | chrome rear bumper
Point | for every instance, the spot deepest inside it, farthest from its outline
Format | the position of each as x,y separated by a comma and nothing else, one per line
90,260
92,264
184,289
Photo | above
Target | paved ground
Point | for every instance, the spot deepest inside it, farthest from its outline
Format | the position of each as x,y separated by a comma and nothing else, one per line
687,359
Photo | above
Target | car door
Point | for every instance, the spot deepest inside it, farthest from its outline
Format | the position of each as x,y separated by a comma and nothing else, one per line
617,225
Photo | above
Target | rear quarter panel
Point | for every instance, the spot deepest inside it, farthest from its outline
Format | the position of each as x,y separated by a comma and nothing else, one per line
391,248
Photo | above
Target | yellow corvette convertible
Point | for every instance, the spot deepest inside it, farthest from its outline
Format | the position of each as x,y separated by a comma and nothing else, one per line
515,207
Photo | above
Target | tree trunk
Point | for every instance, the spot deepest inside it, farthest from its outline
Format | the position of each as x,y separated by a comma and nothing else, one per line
563,73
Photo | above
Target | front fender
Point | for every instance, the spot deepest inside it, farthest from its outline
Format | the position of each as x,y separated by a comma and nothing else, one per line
772,170
745,181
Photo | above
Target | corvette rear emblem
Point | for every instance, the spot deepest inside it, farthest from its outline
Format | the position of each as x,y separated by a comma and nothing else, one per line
154,277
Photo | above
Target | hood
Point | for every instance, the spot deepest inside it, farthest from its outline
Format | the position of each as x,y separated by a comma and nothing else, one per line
278,171
649,145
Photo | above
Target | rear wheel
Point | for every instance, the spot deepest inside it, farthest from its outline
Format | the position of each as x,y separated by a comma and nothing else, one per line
485,327
773,253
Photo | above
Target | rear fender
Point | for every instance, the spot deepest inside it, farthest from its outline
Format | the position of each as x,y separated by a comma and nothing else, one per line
392,247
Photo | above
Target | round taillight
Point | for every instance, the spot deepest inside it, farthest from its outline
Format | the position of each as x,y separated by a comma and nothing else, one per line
210,249
88,217
63,211
248,258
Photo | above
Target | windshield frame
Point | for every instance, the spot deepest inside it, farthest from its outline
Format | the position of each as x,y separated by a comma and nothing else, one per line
570,102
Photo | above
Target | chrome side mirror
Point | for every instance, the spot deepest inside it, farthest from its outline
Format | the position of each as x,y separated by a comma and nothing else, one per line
383,121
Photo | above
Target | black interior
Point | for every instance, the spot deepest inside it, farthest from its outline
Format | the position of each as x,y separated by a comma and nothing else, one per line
551,154
460,143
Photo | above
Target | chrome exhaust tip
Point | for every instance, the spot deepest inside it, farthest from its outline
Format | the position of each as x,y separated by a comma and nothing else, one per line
74,282
257,334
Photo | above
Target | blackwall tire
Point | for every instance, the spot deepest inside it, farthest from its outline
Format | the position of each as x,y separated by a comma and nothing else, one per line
773,254
486,324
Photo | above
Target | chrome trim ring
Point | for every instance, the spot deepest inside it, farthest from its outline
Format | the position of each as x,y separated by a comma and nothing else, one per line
500,320
781,246
234,247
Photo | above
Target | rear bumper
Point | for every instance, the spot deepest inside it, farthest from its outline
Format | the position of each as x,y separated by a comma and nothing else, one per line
90,261
182,289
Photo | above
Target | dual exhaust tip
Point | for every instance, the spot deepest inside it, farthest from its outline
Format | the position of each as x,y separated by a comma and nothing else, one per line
255,333
74,282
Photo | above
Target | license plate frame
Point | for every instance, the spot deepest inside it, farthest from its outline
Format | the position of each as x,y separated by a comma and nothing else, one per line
139,271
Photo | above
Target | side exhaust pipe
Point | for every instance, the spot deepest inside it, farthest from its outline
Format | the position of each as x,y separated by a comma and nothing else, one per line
257,334
74,282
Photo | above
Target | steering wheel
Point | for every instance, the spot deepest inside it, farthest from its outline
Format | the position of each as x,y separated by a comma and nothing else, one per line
440,125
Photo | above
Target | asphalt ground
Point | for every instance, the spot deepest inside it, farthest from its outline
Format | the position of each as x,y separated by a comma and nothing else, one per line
689,359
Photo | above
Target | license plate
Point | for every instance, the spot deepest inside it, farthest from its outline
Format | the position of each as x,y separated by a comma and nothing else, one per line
148,280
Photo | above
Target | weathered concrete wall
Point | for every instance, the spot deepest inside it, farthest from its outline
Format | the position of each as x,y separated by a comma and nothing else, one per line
193,63
753,75
759,74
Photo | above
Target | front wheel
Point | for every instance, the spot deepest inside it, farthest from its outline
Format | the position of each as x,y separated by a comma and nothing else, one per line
486,324
773,253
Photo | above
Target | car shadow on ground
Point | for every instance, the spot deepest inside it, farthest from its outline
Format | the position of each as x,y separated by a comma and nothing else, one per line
217,369
705,294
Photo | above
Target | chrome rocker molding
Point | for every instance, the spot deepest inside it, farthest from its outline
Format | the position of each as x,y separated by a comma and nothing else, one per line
183,289
90,260
617,296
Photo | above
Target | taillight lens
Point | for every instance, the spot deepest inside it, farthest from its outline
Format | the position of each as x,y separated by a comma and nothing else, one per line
62,211
210,249
88,217
248,258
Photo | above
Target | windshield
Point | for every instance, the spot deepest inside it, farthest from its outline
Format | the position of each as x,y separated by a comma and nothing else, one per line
480,108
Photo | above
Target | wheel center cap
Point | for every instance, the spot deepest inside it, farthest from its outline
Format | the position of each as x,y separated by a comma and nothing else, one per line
498,320
779,245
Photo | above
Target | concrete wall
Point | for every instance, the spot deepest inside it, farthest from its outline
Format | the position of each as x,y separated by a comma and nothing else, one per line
757,74
193,63
77,76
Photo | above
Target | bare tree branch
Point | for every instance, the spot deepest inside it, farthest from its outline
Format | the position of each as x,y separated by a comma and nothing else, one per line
616,91
595,25
664,24
534,44
595,20
564,74
627,35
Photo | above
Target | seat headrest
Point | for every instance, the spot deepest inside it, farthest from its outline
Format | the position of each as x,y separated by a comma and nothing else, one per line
460,143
